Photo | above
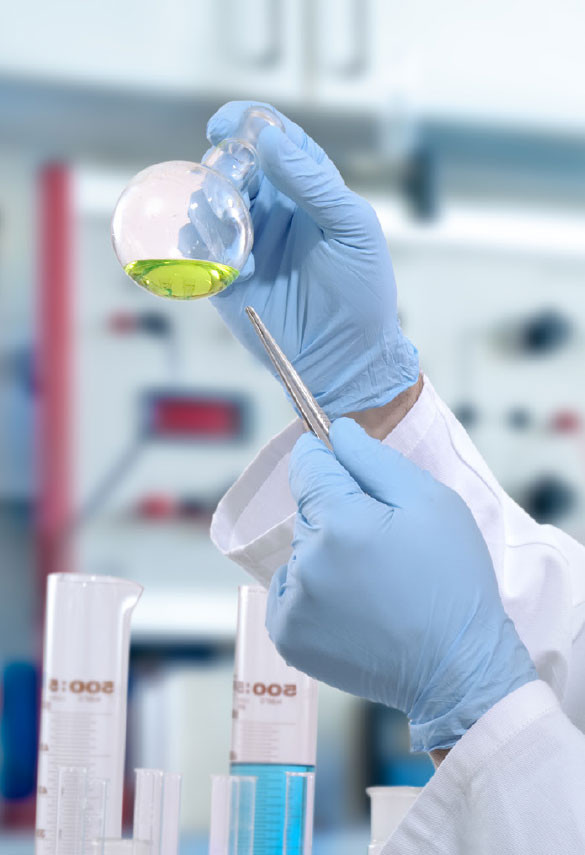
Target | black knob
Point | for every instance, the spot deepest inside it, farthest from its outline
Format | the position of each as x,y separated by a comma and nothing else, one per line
546,331
467,414
549,498
519,418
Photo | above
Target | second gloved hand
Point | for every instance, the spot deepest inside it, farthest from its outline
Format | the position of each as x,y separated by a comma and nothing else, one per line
320,276
390,592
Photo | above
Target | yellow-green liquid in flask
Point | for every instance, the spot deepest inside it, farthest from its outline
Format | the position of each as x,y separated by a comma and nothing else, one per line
181,278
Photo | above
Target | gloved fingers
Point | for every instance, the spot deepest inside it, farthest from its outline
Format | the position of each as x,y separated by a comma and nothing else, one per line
321,192
317,188
318,482
208,152
380,471
225,121
278,583
248,269
281,594
277,609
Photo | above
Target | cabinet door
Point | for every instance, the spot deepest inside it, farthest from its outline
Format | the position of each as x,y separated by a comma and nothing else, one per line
136,43
515,62
260,49
341,35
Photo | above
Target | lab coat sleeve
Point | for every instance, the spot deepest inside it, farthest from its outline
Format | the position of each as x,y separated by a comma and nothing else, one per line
513,785
540,570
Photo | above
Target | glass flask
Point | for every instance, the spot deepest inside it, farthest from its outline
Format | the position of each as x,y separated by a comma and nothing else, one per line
182,230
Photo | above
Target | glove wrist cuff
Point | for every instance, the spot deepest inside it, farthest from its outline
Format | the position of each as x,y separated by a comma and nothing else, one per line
386,375
497,673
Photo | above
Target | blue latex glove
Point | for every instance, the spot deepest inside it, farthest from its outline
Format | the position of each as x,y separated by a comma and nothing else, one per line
390,592
320,277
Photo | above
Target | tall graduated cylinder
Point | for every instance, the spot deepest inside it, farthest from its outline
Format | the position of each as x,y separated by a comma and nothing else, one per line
274,721
85,684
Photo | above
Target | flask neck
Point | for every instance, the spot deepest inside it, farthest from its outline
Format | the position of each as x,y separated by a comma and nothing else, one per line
236,157
236,160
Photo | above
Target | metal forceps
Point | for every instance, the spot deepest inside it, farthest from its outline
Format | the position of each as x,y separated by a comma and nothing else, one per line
311,413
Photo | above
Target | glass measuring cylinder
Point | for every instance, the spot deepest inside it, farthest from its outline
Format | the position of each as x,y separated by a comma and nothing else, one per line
298,819
182,230
81,811
157,806
274,721
85,681
231,829
118,847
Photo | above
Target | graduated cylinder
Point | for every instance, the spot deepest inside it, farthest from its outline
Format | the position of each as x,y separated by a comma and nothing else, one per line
85,684
274,724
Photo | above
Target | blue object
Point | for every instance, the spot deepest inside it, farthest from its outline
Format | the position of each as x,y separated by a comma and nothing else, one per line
320,276
389,760
270,807
19,730
390,592
408,770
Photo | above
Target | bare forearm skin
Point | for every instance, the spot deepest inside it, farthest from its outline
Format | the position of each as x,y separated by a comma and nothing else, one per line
379,421
438,756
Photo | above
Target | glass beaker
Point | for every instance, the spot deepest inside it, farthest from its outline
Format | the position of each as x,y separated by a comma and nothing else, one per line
85,683
182,230
388,807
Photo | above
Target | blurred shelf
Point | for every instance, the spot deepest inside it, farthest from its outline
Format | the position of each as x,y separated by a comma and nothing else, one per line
198,523
184,617
475,227
16,844
125,126
346,842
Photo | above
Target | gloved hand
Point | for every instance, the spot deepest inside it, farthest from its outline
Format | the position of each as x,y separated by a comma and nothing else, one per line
390,592
320,277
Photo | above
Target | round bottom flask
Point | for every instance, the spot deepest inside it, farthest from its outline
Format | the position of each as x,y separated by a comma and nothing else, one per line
182,230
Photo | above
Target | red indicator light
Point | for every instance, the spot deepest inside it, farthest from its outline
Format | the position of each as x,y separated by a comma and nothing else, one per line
122,322
566,421
195,418
157,506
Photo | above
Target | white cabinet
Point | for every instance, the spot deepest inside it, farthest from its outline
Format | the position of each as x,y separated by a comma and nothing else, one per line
348,69
510,62
135,43
262,49
519,63
505,62
204,47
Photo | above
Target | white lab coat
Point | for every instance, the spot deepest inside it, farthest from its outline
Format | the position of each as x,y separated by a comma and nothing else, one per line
515,783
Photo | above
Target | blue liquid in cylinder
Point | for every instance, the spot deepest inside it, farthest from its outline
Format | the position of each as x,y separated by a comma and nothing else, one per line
274,733
270,809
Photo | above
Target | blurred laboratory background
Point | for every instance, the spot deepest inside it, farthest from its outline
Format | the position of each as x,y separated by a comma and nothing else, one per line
124,418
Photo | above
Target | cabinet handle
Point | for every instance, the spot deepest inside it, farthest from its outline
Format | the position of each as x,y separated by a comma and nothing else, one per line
343,50
253,30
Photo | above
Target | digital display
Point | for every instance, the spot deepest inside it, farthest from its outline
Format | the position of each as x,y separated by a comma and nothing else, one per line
182,416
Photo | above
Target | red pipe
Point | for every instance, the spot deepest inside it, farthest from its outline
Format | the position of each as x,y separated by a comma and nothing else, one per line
54,368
